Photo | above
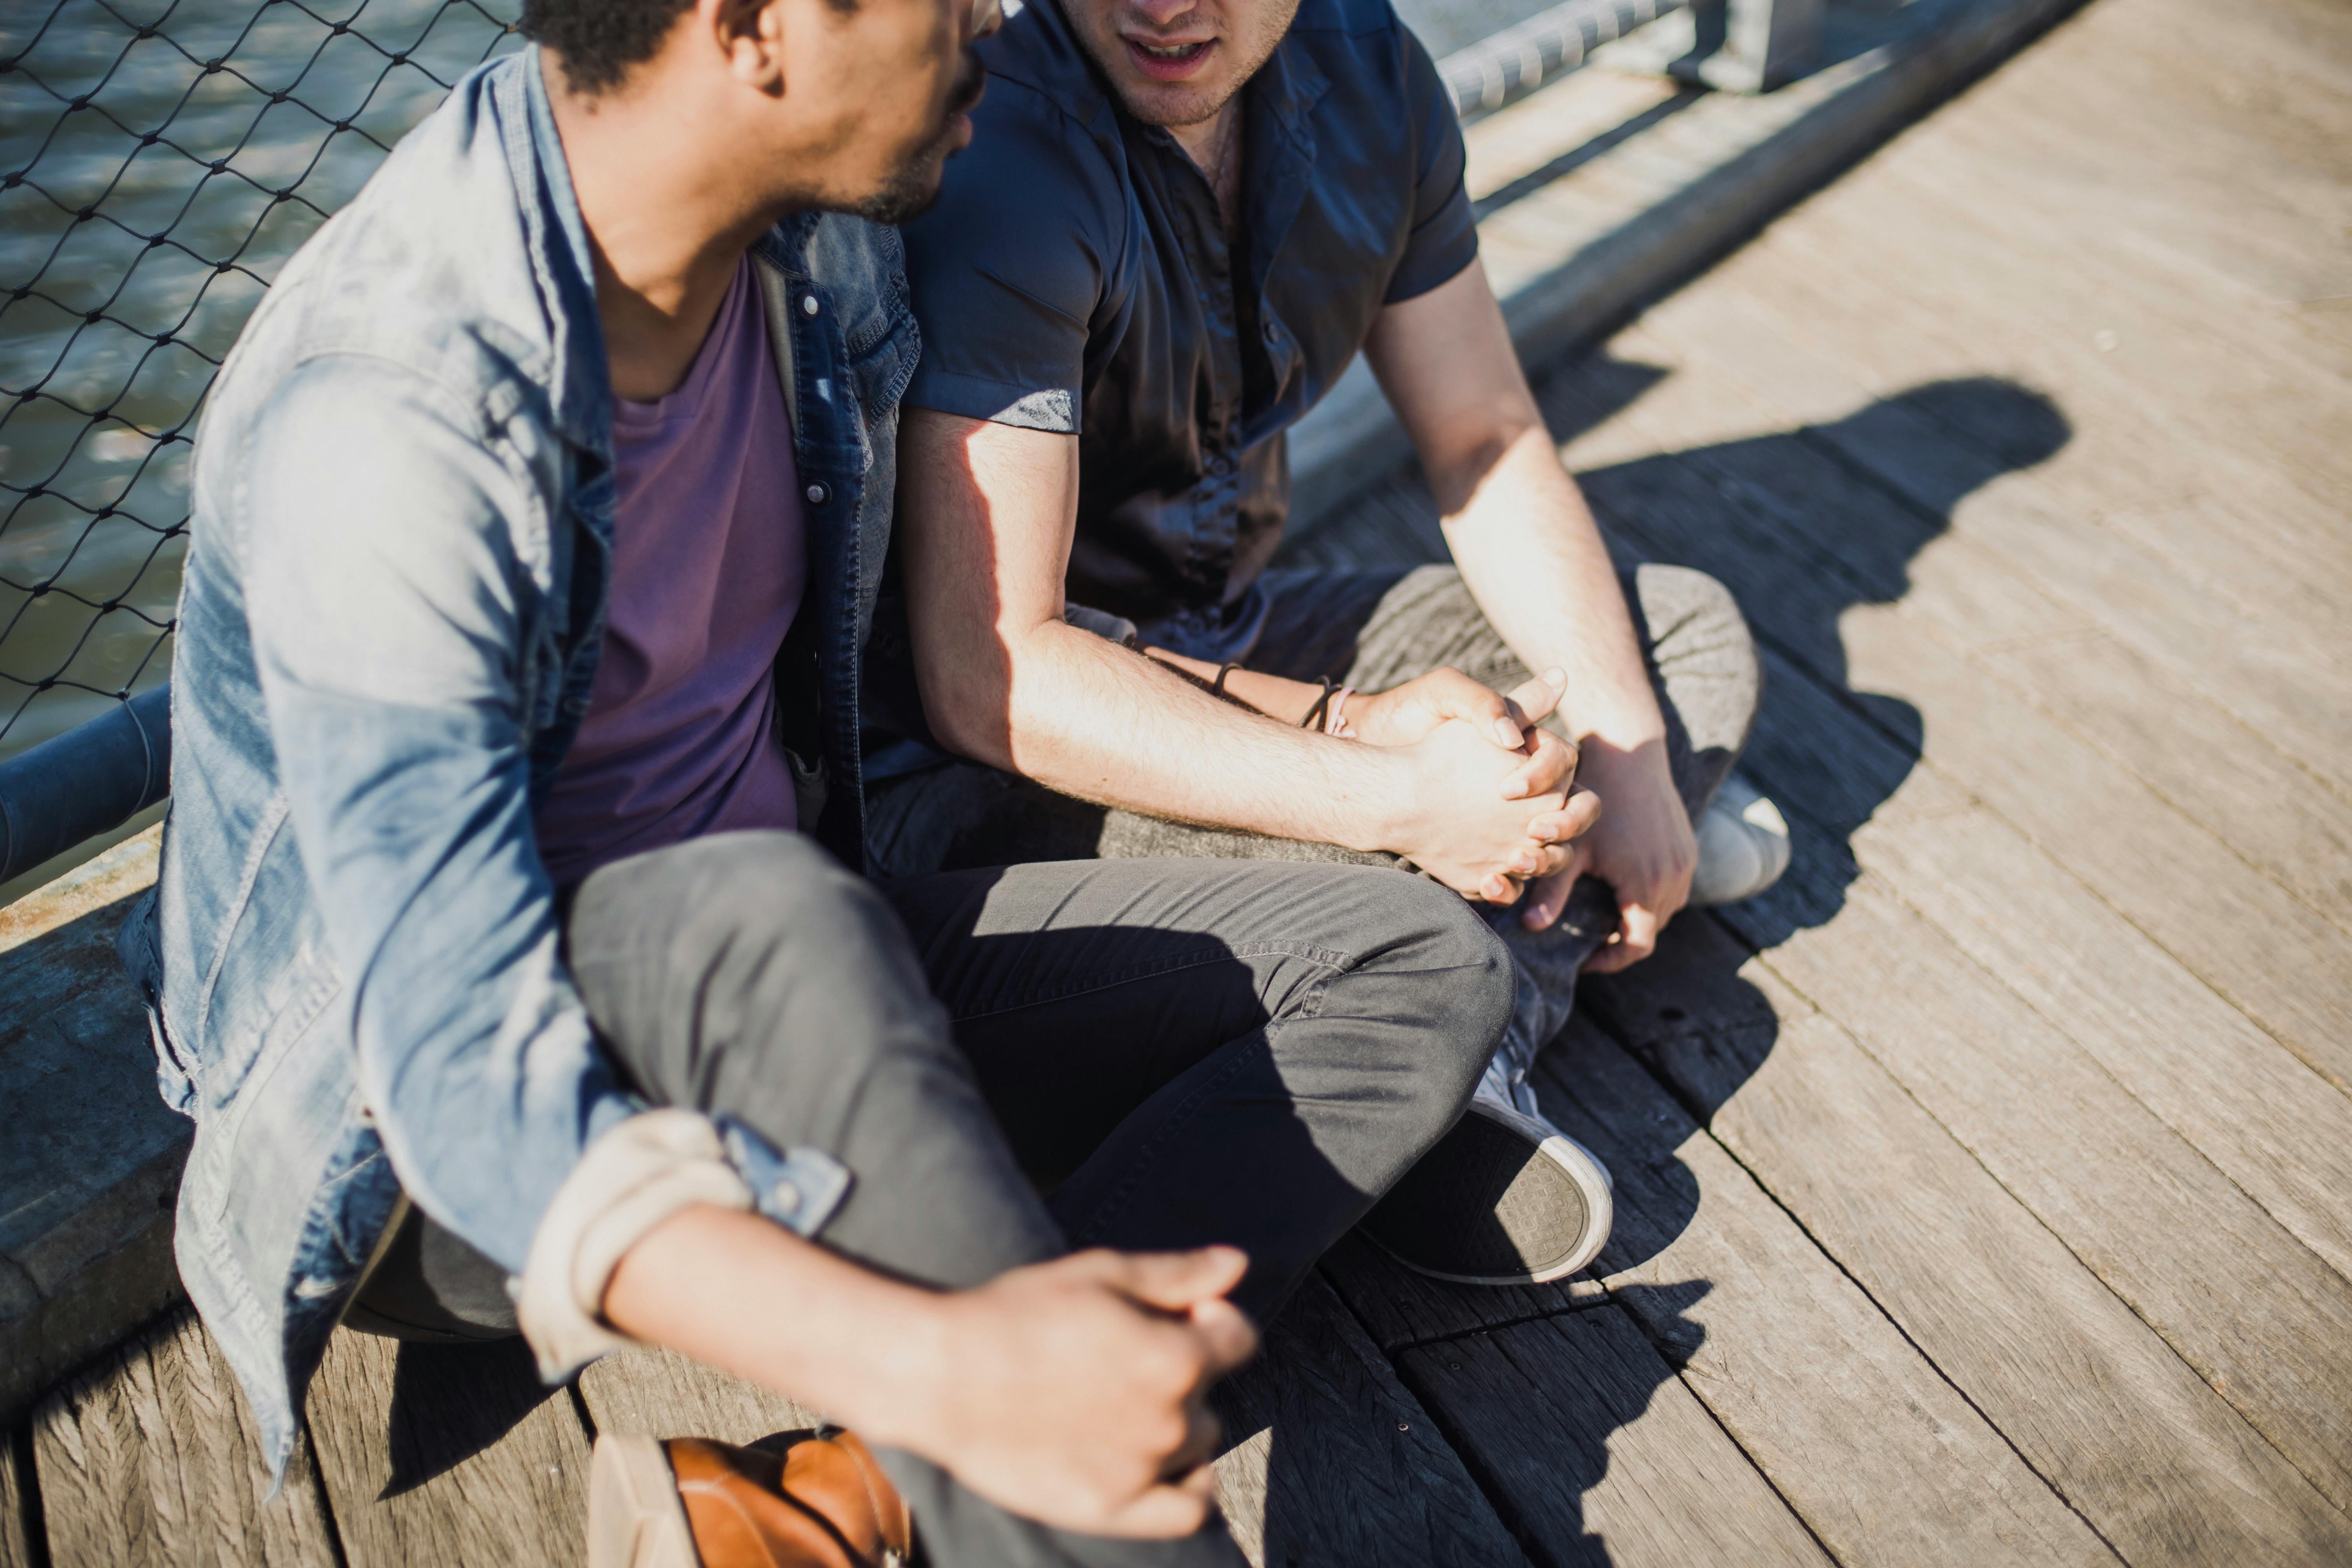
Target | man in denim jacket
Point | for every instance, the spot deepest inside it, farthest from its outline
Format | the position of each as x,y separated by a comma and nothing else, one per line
515,960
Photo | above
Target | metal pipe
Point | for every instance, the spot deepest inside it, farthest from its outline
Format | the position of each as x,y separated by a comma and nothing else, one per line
94,777
1515,61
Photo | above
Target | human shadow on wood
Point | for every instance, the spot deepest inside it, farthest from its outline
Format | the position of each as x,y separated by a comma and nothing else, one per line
451,1401
1802,530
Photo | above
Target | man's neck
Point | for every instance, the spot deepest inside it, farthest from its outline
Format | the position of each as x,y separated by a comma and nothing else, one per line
1214,145
667,240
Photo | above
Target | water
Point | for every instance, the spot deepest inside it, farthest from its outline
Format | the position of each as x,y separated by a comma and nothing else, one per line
159,161
162,159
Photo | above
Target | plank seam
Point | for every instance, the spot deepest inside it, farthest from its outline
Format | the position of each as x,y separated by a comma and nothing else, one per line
1871,480
1626,528
31,1517
1571,1310
1903,1088
580,1408
326,1504
1736,1446
1839,1264
1843,698
1498,1497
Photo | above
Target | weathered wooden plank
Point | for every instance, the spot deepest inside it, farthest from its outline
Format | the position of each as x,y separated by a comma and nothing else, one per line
2112,180
448,1454
2264,1118
16,1498
1400,1308
1881,1458
2277,960
2164,570
1597,1451
2090,1395
2274,957
2246,1103
660,1393
1330,1458
2135,695
2132,1199
1349,1397
148,1456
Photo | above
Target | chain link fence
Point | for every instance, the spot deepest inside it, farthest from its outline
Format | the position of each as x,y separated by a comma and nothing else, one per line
160,160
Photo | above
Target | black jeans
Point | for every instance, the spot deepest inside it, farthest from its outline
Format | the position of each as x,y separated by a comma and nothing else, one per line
1140,1053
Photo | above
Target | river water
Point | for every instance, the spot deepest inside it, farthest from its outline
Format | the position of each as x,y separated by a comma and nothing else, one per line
159,161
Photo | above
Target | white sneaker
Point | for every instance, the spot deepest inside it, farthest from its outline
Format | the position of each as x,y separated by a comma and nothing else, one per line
1743,845
1506,1198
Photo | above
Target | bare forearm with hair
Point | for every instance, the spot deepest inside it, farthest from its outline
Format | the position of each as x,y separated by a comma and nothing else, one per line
1093,719
1517,526
986,513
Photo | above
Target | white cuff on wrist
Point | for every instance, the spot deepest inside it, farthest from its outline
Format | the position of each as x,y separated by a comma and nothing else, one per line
630,1180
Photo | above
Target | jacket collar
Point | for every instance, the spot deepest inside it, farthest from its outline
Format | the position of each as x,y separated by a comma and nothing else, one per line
580,377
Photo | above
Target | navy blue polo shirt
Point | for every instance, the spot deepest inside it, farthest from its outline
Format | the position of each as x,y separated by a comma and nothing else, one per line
1076,277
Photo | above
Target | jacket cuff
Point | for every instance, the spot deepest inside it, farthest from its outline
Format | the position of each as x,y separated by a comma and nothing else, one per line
631,1179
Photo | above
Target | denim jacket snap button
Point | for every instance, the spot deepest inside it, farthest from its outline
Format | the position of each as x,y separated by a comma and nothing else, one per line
816,494
808,305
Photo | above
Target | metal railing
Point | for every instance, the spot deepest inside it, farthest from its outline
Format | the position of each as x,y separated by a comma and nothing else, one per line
1522,57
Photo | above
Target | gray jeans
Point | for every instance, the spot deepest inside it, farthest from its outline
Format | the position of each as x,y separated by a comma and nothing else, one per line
1015,1061
1372,630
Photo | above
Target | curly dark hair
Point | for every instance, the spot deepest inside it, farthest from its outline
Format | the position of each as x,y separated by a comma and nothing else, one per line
599,40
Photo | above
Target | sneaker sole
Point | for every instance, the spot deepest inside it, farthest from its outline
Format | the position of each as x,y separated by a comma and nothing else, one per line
634,1517
1531,1179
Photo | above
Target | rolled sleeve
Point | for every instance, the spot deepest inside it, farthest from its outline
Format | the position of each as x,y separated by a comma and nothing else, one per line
1011,271
1444,238
389,622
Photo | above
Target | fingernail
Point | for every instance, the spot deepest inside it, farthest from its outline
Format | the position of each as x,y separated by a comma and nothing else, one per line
1555,676
1506,732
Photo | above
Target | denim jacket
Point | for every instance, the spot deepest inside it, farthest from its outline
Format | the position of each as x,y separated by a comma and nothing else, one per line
392,607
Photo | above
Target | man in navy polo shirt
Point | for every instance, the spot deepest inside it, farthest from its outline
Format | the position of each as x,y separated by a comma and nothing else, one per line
1179,222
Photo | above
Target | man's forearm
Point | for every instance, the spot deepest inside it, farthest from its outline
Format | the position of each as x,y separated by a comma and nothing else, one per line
1093,719
734,1291
1527,547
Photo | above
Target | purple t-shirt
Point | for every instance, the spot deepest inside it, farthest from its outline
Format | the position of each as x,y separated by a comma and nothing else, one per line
709,558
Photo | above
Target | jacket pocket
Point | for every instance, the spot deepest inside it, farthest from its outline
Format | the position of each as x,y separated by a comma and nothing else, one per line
880,370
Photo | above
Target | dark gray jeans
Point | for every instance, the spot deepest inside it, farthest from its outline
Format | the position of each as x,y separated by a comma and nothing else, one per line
1015,1061
1372,630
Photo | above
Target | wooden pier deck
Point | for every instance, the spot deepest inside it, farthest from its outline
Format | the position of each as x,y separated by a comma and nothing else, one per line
1985,1190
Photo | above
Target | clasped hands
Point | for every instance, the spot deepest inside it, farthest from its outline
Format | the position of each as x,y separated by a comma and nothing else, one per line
1490,801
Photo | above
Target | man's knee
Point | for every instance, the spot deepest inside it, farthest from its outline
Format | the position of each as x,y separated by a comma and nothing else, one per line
1687,611
1706,660
741,945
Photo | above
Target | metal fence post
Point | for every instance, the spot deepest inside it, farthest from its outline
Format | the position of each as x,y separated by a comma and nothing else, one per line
1754,45
1738,46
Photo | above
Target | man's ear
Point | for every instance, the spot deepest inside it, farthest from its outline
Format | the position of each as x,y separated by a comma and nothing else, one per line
749,34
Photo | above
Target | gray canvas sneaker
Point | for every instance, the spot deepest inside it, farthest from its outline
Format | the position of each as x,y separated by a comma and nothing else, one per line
1506,1198
1743,845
